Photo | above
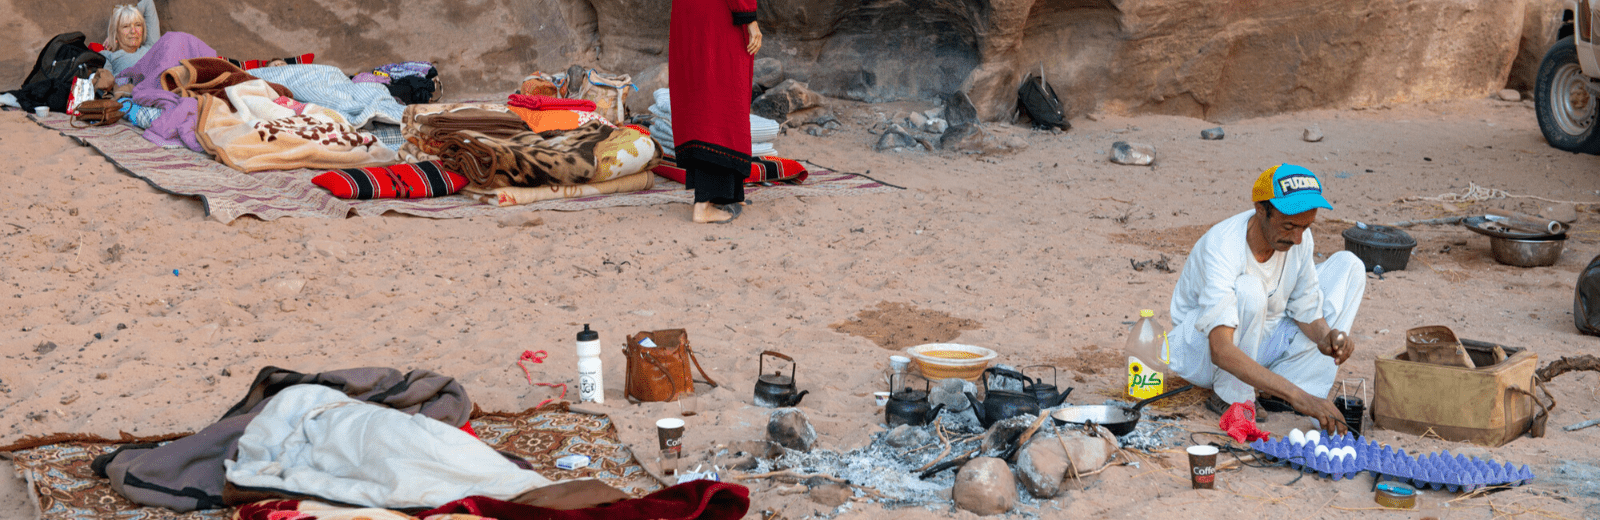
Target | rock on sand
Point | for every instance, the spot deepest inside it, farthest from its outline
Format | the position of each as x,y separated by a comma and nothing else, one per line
985,486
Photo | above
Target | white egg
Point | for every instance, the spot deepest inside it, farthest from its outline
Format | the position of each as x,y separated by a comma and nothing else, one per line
1350,451
1314,437
1297,437
1321,450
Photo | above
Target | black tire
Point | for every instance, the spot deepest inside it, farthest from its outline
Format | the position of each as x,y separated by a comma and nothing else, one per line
1568,112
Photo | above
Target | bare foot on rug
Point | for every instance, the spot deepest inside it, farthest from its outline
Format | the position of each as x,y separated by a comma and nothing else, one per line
708,213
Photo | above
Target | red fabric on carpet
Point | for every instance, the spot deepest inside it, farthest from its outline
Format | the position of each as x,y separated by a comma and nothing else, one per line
762,169
550,103
1240,422
269,510
697,500
401,181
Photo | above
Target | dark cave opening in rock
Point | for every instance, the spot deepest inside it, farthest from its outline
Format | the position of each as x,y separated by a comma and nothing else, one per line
916,49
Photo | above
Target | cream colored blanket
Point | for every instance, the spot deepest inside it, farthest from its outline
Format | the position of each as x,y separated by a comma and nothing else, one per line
272,133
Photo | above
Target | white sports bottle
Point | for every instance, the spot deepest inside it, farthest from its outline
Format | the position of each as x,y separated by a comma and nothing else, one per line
590,387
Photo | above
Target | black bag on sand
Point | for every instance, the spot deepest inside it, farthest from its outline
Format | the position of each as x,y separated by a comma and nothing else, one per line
65,58
1586,303
1038,100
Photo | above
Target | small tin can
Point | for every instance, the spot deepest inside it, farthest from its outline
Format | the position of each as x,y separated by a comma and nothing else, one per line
1395,495
573,462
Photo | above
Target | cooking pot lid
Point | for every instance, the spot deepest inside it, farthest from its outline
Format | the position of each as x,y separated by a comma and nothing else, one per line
1379,236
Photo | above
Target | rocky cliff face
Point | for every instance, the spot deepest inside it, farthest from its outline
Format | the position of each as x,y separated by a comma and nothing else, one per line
1213,59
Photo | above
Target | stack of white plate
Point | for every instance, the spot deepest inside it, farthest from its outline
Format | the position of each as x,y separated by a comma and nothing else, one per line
762,130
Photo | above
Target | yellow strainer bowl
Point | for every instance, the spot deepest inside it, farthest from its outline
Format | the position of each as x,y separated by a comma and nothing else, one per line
946,360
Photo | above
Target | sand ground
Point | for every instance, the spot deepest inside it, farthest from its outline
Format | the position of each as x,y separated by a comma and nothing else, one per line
125,308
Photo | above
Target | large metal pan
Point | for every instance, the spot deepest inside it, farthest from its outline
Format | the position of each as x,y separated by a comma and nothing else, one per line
1120,419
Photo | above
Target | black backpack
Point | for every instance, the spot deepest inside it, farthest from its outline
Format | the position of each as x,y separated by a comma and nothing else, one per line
1039,102
1586,301
66,57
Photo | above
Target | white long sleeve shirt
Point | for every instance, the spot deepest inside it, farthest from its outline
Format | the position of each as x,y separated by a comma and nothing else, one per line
1205,299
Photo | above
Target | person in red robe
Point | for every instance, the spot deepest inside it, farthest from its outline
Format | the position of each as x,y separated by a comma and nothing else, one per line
710,58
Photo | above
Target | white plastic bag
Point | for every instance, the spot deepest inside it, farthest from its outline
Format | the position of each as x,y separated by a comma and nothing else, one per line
82,90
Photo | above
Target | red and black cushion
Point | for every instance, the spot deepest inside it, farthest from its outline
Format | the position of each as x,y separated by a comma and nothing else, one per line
763,170
401,181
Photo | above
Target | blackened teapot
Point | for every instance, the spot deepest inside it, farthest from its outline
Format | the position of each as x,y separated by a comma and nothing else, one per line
908,406
776,390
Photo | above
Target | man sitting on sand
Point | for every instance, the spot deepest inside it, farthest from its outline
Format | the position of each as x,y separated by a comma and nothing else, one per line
1252,314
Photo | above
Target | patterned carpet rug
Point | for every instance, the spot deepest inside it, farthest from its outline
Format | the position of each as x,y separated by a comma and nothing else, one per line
229,194
64,487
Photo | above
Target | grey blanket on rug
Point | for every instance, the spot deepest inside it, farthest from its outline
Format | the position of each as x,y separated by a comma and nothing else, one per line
188,473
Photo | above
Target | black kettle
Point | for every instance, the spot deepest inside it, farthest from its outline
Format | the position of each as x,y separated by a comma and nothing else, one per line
909,406
776,390
1047,395
998,405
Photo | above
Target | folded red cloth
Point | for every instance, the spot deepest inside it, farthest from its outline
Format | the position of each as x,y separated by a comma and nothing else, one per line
550,103
1240,422
697,500
401,181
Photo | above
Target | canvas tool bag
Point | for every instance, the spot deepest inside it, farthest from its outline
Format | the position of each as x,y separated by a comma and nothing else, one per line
661,373
1489,405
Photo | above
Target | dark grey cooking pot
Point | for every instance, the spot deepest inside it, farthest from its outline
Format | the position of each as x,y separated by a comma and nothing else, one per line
1120,419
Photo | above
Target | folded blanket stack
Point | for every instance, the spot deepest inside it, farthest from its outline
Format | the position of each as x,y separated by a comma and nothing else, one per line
545,113
762,130
423,126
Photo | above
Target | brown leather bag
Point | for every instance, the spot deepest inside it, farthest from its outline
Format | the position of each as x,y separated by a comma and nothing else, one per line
97,112
661,373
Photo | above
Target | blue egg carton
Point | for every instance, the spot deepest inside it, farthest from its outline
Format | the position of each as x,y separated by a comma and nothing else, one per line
1304,456
1438,470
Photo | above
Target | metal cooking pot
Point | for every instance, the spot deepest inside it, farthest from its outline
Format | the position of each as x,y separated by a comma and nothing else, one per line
1526,253
1120,419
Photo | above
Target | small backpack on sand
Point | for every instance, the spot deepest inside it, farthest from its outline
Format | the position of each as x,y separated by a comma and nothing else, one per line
1038,100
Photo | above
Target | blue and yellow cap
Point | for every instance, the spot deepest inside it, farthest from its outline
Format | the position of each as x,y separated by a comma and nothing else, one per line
1292,189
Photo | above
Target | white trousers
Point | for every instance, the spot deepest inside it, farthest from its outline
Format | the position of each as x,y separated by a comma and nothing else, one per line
1285,350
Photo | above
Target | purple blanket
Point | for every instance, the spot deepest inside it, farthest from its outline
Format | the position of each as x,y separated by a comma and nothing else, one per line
178,115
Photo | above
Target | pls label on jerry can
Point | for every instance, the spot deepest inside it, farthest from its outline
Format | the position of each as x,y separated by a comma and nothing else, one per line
1148,356
1144,381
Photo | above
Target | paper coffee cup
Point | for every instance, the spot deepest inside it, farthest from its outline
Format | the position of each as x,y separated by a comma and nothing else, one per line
899,363
1203,466
882,398
670,433
41,111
